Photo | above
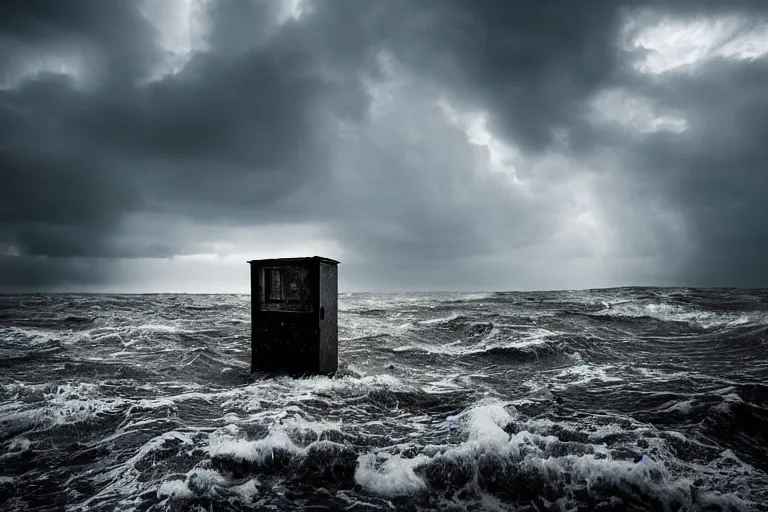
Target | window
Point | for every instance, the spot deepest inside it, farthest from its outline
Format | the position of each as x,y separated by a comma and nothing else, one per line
292,285
273,285
285,288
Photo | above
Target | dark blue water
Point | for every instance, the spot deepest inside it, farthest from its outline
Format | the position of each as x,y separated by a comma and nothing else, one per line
518,401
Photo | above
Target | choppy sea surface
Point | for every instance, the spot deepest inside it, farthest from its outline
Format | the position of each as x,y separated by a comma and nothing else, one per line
498,401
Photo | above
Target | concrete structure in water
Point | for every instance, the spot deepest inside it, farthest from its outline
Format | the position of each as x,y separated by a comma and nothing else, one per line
294,315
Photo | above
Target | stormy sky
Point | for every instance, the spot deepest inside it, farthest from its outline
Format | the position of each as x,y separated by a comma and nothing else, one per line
156,145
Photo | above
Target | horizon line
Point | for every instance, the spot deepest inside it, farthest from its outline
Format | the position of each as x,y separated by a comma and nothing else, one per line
550,290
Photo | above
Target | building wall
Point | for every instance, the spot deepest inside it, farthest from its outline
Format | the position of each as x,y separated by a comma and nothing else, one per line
329,327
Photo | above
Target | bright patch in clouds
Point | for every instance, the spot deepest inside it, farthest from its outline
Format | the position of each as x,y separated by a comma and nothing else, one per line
63,61
180,31
224,268
581,231
502,157
633,113
384,90
292,10
584,229
673,44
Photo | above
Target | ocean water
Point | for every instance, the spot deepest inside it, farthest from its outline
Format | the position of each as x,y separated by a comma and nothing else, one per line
498,401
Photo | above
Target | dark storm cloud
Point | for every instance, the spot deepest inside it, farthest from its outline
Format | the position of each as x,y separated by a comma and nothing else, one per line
421,193
535,65
43,274
247,133
114,34
716,173
231,129
530,64
230,136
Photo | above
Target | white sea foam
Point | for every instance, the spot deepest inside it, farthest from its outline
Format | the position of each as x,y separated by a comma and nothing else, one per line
439,320
284,389
20,444
60,405
255,451
174,488
318,428
157,328
245,491
484,426
476,296
583,374
678,313
122,353
123,479
494,340
485,423
207,482
27,336
392,477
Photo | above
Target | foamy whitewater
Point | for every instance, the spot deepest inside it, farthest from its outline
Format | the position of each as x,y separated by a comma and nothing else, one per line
613,400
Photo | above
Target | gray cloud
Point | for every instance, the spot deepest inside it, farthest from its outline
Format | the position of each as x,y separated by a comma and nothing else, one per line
44,274
221,134
331,120
529,64
716,173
